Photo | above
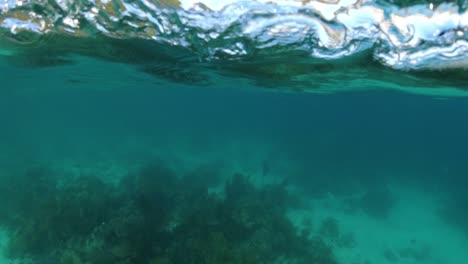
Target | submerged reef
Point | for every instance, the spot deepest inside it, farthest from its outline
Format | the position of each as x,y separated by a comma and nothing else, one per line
154,215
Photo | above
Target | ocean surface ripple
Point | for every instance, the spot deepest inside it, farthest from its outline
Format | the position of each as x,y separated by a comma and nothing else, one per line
420,36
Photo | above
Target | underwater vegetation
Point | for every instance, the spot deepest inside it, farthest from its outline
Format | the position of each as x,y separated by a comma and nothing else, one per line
153,215
330,231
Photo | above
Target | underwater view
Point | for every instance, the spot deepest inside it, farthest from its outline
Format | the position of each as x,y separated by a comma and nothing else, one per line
233,132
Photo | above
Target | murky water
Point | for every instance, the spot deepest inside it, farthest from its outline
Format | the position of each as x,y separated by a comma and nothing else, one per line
247,132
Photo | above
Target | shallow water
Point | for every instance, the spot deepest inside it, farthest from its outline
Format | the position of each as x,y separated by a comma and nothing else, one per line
121,147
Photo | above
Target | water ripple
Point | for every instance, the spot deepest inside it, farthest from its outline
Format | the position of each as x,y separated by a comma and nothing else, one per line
406,37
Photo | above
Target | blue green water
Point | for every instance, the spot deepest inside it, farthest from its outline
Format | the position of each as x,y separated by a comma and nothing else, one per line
133,133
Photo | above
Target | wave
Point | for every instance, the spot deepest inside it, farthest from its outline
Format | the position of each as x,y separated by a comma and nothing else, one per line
420,36
403,35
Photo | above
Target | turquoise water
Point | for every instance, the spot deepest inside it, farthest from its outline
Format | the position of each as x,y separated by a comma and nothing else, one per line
164,134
